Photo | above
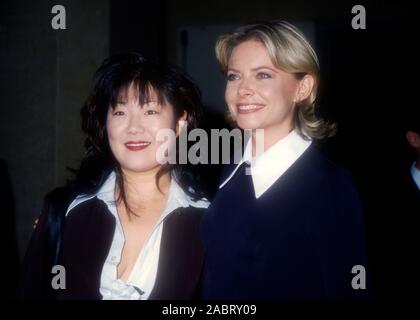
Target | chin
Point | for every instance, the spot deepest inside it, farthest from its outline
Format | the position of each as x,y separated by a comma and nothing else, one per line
140,167
248,124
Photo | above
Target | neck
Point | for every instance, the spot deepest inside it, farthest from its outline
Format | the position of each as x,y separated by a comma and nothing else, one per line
271,137
141,186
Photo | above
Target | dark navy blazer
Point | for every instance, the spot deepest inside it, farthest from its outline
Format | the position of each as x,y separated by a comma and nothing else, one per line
299,240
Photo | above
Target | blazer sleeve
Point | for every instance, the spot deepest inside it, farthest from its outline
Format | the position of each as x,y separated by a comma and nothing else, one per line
33,271
343,250
43,249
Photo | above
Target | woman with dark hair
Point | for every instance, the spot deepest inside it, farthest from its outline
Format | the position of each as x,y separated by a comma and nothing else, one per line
127,227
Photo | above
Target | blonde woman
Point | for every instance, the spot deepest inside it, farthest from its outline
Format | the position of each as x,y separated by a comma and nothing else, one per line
293,228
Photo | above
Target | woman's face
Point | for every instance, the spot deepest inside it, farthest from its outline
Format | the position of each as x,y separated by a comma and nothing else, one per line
259,95
132,130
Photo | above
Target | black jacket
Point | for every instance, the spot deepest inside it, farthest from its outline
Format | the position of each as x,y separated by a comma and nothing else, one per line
86,239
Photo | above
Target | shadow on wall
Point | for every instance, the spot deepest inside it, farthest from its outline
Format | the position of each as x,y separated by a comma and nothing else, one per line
11,262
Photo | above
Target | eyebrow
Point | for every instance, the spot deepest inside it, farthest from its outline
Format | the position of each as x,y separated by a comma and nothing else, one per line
124,101
253,69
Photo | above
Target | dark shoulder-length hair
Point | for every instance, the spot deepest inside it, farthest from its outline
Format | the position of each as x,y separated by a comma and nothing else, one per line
117,73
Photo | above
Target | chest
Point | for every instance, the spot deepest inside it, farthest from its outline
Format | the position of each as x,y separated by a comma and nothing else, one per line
241,227
136,231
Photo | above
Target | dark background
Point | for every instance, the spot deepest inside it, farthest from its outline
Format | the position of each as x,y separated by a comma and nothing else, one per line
369,85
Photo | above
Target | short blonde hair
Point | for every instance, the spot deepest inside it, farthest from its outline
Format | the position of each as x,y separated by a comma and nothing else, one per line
289,51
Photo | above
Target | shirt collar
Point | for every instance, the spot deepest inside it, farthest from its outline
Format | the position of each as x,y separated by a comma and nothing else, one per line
270,165
105,193
415,173
176,198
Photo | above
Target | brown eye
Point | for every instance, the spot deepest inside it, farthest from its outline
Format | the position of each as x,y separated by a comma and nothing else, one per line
118,113
151,112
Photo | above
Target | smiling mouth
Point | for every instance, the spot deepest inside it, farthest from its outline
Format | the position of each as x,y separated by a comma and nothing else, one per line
249,108
137,146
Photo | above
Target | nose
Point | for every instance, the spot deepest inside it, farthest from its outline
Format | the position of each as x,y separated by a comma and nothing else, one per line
245,88
135,125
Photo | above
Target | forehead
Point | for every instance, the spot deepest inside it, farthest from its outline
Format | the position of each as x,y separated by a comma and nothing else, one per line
140,94
250,54
135,91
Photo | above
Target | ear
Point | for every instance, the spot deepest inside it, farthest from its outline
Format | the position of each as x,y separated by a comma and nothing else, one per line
413,139
304,89
182,122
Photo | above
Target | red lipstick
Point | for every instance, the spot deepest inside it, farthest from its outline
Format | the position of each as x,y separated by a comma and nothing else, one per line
136,145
